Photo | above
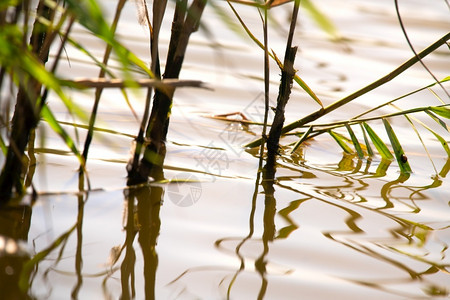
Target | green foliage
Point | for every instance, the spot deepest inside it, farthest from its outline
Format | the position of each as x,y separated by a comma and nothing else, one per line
402,160
378,143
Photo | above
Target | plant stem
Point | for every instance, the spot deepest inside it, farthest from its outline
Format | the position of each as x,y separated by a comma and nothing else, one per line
99,90
287,77
323,111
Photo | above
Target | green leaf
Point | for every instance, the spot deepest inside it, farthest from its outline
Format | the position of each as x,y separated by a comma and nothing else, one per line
48,116
378,143
398,150
341,142
366,141
441,111
302,139
321,19
3,146
4,4
91,17
355,141
440,138
297,78
421,140
439,121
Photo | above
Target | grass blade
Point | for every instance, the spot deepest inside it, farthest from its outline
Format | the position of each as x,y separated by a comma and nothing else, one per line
421,141
366,141
398,150
341,142
322,20
48,116
3,146
438,137
441,111
302,139
378,143
358,148
439,121
297,78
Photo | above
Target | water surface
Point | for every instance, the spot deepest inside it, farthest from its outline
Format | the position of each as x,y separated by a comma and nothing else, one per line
335,227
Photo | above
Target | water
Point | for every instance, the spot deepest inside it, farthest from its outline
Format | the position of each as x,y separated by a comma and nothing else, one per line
343,228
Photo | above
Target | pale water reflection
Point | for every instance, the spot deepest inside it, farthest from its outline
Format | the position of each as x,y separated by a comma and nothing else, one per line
329,226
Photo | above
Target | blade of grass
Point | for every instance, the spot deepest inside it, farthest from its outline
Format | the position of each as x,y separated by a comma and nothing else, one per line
378,143
303,138
321,19
366,141
299,81
441,111
398,150
99,90
401,97
323,111
422,142
48,116
341,142
91,17
358,148
438,137
3,146
297,78
438,120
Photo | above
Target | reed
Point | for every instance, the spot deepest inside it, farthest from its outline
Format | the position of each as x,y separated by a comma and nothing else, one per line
25,66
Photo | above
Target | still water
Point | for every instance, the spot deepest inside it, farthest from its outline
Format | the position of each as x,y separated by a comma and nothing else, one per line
335,227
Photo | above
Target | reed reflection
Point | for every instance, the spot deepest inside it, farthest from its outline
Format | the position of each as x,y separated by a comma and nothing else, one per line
15,220
14,226
142,220
408,243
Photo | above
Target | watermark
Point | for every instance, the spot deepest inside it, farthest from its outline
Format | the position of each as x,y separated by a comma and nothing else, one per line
233,136
184,190
213,160
255,110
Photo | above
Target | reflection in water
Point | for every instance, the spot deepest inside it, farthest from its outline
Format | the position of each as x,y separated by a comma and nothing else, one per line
143,207
404,251
14,227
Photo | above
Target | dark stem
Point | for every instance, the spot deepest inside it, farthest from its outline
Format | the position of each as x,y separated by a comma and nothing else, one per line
26,115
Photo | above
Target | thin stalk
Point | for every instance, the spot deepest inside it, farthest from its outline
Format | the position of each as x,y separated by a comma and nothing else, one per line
287,77
323,111
266,84
398,98
402,26
99,90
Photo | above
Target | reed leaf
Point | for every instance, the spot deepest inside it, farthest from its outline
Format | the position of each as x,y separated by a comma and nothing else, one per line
321,19
378,143
341,141
48,116
355,141
383,80
402,97
421,141
366,141
297,78
438,120
398,150
89,15
303,138
441,111
3,146
438,137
